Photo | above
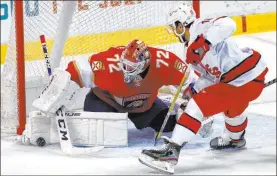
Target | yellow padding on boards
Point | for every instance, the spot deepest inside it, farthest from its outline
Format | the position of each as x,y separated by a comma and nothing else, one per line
92,43
238,21
261,23
153,36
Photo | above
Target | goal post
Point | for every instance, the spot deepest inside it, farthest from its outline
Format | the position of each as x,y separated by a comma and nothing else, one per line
20,65
73,30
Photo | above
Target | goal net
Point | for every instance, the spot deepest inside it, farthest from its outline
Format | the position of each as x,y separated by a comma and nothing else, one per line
73,30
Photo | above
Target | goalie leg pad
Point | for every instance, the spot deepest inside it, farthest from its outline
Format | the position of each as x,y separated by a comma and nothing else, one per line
39,126
98,128
85,128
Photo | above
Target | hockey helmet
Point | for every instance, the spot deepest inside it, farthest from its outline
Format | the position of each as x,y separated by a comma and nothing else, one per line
181,13
135,58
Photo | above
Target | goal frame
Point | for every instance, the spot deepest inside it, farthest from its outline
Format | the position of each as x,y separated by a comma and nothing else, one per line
19,32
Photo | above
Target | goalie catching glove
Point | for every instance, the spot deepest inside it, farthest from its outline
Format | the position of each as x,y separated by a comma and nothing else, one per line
60,91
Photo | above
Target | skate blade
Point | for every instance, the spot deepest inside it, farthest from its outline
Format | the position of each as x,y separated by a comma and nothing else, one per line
161,166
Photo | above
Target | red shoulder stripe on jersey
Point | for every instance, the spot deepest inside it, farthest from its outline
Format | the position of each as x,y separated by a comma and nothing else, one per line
236,129
243,67
189,122
75,74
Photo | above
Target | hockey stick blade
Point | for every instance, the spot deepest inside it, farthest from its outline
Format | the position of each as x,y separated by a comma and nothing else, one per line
65,140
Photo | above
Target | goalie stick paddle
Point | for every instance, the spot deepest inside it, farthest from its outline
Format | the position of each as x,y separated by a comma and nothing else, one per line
170,108
64,137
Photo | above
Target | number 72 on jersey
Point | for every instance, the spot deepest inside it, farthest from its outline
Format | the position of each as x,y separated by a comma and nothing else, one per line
162,57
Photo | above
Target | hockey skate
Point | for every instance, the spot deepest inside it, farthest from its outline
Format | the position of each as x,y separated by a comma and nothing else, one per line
163,159
225,142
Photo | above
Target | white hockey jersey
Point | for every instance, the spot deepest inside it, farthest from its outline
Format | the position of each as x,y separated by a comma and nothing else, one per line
225,61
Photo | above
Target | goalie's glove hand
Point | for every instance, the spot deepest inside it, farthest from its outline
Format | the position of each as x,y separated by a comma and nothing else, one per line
60,91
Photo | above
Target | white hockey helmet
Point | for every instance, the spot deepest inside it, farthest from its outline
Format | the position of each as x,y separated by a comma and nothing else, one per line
183,13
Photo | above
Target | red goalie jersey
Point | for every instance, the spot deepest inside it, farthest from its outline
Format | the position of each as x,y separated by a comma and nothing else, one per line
103,73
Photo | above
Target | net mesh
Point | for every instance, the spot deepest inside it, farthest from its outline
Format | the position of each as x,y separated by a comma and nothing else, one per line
96,26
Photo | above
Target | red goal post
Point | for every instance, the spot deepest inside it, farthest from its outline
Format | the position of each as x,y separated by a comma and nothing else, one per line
91,27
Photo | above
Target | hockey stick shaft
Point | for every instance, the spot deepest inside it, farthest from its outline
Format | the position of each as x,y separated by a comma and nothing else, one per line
45,52
270,83
61,121
170,108
64,136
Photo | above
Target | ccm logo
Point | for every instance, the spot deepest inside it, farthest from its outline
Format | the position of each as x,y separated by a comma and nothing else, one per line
63,130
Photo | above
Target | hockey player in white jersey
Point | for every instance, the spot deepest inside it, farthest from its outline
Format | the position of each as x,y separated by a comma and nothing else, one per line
230,78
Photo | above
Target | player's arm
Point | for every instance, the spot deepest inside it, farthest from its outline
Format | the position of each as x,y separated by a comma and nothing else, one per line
81,72
219,29
193,83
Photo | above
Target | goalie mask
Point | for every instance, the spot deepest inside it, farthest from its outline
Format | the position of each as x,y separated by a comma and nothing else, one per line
134,60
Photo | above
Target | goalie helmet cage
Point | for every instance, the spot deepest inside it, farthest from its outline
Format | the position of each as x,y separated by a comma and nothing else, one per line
92,26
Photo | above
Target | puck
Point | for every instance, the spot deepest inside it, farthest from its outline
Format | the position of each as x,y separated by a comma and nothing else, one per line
41,142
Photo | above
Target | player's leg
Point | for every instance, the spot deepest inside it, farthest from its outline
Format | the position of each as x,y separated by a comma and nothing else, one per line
212,100
154,117
94,104
186,128
233,136
235,121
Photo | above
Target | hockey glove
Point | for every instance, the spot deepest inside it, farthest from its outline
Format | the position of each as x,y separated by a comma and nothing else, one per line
197,50
60,91
187,94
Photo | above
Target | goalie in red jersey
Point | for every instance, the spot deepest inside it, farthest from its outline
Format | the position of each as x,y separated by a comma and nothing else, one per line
125,79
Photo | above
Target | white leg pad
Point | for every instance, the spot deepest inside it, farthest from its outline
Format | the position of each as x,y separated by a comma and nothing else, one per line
85,128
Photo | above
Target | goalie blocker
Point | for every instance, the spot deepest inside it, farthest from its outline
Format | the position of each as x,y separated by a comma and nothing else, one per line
85,128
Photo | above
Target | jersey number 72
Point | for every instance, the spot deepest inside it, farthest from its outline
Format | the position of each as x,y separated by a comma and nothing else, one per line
162,56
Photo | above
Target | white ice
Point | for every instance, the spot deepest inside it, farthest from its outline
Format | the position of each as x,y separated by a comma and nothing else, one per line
259,157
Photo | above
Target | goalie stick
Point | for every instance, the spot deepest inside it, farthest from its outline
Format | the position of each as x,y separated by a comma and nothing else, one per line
64,137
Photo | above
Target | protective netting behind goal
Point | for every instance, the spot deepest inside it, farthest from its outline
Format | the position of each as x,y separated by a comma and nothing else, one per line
95,26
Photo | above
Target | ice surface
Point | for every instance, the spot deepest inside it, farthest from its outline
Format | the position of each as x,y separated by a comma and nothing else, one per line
259,157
